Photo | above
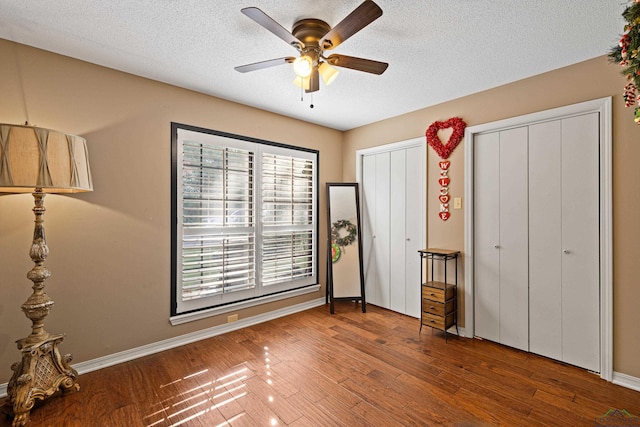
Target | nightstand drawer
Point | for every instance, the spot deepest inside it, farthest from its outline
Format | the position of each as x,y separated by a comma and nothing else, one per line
438,322
437,308
438,291
433,294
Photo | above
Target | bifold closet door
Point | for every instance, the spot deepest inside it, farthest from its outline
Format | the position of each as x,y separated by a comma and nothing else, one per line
393,224
406,223
501,231
375,189
397,225
415,225
545,239
564,240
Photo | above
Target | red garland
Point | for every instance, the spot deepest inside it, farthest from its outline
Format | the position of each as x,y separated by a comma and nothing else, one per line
445,150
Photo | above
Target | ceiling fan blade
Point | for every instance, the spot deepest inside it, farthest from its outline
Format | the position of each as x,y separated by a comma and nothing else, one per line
362,16
270,24
360,64
264,64
314,81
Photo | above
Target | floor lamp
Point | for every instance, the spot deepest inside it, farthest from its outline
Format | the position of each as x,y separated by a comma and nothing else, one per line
40,161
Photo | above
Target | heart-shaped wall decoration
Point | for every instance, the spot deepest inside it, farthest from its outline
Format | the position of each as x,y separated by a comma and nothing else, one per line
444,198
444,181
444,150
444,215
444,165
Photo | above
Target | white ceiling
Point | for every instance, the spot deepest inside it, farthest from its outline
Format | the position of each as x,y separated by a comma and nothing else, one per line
438,50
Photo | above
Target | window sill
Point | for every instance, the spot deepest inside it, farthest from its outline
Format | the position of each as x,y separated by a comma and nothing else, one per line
214,311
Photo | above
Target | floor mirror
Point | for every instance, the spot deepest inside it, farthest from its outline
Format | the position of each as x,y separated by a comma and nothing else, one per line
345,274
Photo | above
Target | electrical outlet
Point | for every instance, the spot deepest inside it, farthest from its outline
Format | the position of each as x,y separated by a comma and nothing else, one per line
457,203
232,318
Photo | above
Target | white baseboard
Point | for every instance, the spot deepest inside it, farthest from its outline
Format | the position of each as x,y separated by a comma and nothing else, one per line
626,381
145,350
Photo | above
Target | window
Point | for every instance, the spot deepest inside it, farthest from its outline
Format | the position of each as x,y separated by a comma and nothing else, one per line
244,220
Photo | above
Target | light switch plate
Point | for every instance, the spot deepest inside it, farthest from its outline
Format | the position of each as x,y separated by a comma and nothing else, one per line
457,203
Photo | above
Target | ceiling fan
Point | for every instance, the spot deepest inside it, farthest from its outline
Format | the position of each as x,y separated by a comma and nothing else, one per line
311,38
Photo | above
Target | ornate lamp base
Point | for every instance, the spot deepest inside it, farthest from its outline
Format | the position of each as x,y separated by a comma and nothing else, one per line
40,374
42,371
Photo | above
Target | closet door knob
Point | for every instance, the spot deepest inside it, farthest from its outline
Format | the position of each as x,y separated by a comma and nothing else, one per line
496,246
408,239
566,251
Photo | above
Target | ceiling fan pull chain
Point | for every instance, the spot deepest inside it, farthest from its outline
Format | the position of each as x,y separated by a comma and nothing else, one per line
301,90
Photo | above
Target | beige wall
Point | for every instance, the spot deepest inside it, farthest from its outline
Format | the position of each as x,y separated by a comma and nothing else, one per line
110,249
581,82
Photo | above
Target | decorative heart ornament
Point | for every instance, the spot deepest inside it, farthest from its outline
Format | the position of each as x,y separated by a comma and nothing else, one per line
444,150
444,198
444,165
444,215
444,181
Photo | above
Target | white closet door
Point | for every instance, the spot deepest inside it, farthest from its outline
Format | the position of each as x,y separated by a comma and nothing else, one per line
393,227
397,227
514,231
397,224
382,230
501,227
542,292
406,225
486,168
580,242
368,208
545,239
414,224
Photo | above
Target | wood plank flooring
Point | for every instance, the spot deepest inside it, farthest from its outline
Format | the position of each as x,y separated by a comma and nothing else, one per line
349,369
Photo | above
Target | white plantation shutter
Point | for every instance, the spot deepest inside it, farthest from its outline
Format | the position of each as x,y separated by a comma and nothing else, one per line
287,190
246,220
287,219
287,256
216,264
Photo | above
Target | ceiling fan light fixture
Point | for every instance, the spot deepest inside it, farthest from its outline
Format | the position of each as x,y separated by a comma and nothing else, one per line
303,65
327,72
303,82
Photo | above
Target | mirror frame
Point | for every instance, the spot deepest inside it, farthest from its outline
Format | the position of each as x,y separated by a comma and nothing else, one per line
330,298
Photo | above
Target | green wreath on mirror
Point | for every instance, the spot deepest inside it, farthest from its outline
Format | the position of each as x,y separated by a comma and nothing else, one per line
349,238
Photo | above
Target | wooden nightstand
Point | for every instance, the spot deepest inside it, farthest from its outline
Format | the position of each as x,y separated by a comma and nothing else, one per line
439,307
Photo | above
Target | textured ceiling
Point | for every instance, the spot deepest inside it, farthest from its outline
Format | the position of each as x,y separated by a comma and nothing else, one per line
437,49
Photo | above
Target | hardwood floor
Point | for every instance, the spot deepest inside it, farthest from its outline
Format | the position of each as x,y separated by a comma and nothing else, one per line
349,369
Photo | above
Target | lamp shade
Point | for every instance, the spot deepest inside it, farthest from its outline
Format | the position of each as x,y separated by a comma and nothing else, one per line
303,66
32,157
302,82
327,72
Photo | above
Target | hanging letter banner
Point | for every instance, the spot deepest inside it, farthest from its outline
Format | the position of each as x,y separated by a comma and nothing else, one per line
444,150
